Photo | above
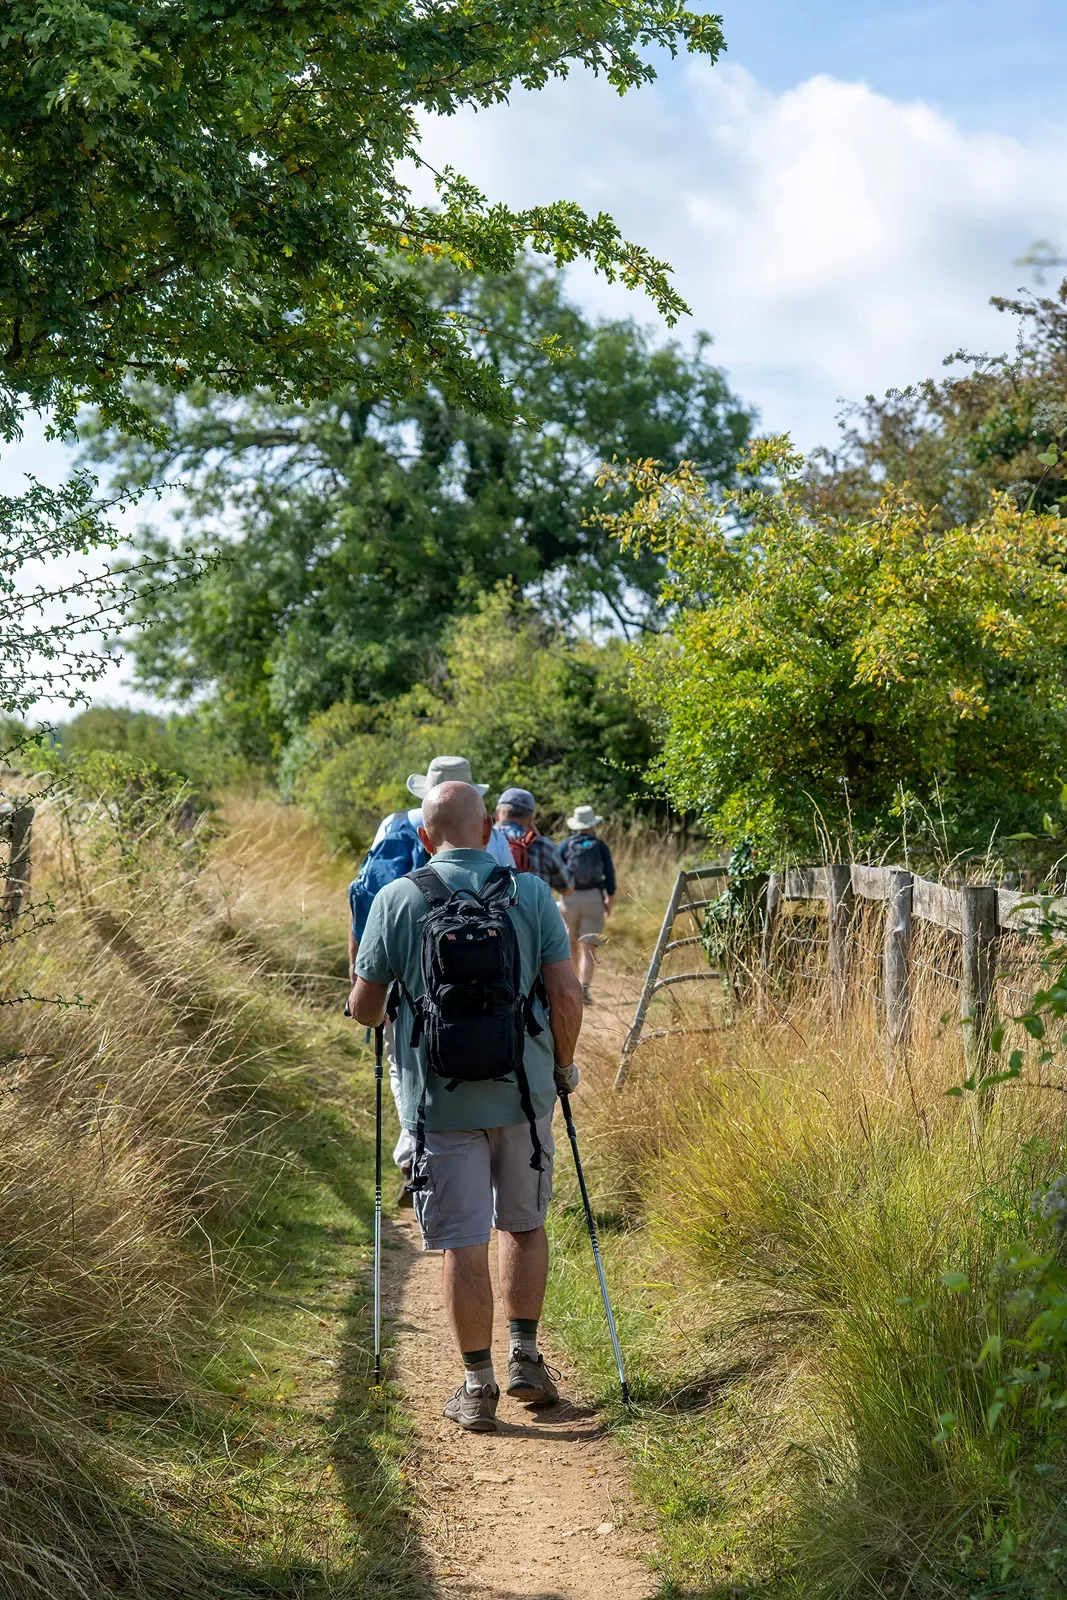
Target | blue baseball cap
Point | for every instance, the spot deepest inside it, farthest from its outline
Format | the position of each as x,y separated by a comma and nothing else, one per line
521,799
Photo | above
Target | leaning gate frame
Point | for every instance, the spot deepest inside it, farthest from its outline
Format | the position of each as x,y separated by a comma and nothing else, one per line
680,904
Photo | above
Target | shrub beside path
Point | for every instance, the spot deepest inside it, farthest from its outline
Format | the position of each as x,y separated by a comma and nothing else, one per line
542,1509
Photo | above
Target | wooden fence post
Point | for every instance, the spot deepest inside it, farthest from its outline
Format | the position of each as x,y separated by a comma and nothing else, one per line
772,898
978,926
19,829
839,915
897,971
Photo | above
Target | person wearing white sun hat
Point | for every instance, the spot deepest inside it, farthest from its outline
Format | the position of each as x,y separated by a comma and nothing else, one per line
395,850
588,860
454,769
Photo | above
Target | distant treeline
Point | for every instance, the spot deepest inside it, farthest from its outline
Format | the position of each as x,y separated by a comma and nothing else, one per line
854,654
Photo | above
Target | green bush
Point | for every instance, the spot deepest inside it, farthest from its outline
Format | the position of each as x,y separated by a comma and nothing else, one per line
349,768
525,703
196,747
826,679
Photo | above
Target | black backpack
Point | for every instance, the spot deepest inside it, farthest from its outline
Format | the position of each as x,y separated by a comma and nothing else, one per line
472,1018
585,862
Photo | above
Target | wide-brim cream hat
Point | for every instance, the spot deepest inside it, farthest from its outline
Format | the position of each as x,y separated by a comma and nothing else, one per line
443,769
584,817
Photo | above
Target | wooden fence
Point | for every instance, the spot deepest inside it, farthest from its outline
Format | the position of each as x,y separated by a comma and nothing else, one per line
976,915
16,826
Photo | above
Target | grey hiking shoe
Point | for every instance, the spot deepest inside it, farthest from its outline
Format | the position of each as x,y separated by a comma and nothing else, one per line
476,1412
530,1381
587,998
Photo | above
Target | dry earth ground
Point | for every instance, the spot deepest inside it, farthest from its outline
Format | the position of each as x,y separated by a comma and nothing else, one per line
543,1508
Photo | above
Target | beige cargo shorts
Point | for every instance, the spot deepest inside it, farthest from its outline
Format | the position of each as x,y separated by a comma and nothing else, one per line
478,1179
583,913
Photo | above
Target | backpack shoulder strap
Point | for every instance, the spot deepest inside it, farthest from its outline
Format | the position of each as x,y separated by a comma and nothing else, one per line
539,993
430,884
496,885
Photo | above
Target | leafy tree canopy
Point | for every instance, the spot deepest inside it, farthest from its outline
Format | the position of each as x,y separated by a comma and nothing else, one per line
211,191
355,527
524,703
825,676
1001,426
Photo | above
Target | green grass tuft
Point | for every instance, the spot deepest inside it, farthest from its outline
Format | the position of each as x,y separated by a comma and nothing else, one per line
832,1395
186,1193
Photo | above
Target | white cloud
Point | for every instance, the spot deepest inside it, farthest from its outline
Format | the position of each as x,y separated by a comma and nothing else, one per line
834,241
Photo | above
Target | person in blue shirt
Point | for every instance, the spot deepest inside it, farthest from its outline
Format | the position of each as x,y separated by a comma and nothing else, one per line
592,871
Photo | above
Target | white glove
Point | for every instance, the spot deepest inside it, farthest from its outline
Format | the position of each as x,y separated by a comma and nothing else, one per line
567,1079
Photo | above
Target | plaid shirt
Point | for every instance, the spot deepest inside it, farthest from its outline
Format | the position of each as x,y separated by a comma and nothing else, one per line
545,859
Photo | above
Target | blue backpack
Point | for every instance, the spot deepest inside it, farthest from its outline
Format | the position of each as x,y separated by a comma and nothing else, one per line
398,852
585,860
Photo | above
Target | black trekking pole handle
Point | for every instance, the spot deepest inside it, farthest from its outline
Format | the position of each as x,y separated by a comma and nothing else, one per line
594,1241
378,1044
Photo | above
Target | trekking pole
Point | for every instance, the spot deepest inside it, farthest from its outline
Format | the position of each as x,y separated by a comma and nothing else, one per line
594,1241
378,1032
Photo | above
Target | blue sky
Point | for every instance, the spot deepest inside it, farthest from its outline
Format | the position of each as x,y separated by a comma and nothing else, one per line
839,196
988,65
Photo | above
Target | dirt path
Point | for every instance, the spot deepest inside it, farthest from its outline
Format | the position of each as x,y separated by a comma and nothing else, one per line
605,1023
542,1509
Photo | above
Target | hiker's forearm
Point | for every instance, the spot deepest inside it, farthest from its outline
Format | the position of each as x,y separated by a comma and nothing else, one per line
353,952
564,1008
367,1002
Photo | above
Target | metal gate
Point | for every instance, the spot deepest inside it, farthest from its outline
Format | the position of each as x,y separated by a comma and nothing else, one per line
680,904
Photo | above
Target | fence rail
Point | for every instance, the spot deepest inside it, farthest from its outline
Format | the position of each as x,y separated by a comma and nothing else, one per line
978,916
935,902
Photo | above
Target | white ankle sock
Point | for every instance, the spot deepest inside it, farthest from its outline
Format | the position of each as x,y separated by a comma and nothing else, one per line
525,1347
479,1376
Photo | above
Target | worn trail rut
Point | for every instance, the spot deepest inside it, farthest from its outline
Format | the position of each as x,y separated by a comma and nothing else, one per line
542,1509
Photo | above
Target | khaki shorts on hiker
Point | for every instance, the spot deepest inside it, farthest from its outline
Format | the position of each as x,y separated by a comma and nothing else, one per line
478,1179
583,912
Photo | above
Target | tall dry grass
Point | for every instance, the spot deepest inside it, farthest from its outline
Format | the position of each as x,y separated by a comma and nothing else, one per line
141,1115
647,862
809,1259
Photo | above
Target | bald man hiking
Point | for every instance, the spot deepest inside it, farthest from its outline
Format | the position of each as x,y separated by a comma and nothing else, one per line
396,849
476,961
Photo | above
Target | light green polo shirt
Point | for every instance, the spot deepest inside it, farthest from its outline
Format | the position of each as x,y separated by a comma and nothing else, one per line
391,947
